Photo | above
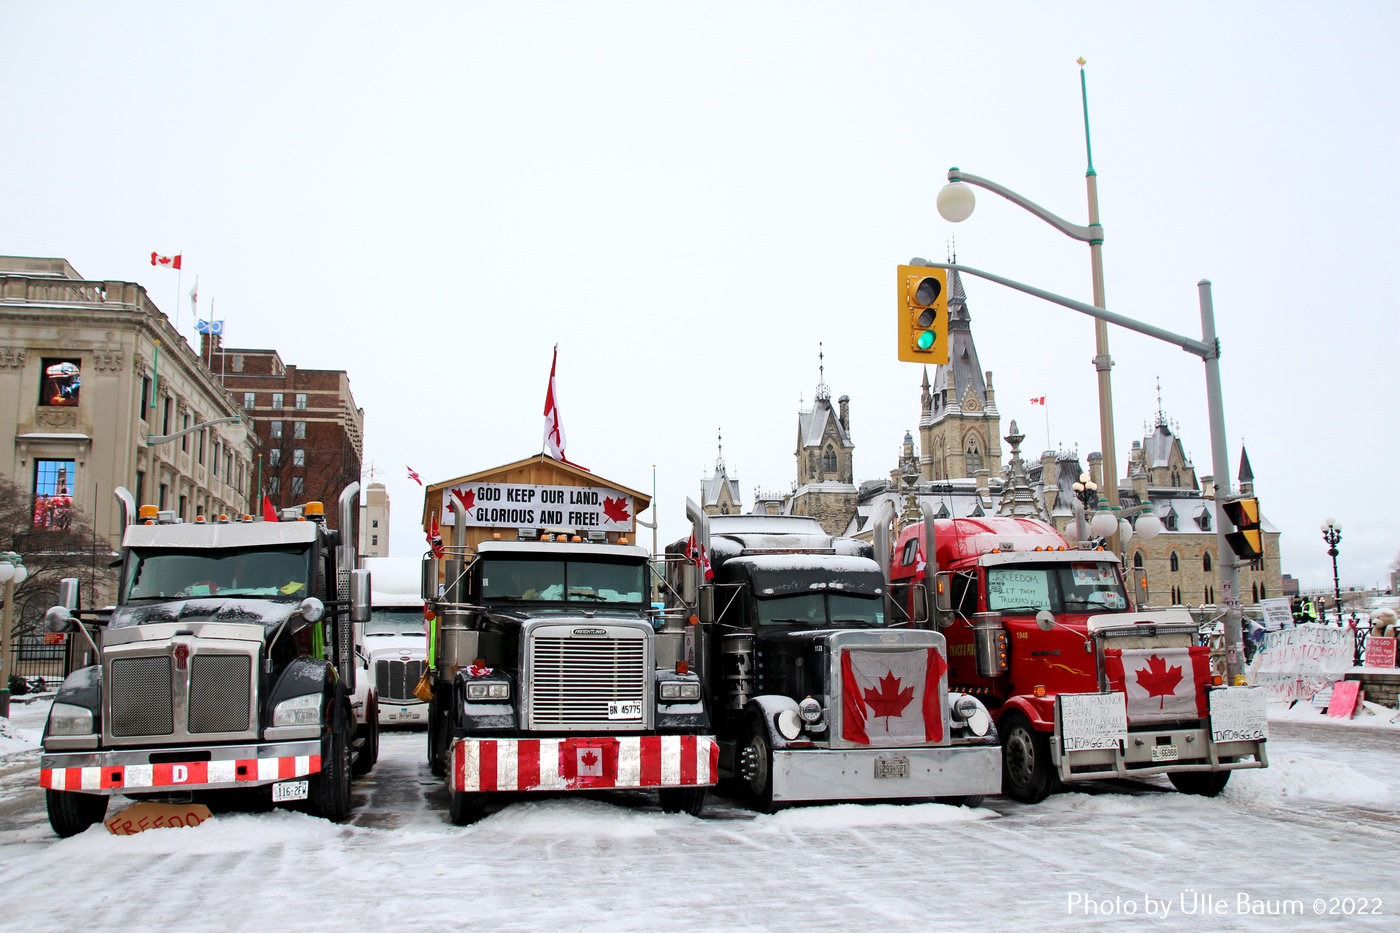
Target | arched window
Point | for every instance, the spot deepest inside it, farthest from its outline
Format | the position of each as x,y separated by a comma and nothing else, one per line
1137,560
1262,594
974,457
829,460
1176,564
1254,591
1205,561
1176,477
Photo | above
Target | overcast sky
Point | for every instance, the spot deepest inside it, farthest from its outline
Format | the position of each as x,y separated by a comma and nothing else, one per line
688,198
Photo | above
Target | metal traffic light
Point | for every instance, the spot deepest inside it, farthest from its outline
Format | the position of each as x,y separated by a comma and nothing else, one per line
1247,540
923,314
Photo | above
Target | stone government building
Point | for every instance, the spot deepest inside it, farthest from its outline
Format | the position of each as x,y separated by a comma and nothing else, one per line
958,469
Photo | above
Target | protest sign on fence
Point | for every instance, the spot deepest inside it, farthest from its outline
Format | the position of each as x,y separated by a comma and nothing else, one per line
1277,614
1294,663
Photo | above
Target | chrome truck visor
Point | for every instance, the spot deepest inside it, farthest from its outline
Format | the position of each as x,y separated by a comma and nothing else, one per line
588,674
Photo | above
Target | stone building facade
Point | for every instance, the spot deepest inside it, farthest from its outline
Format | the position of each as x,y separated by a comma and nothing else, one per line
374,521
959,425
825,486
89,369
311,432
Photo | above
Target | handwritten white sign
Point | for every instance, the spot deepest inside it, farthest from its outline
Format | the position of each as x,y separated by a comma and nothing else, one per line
1277,614
1297,662
1092,720
1239,714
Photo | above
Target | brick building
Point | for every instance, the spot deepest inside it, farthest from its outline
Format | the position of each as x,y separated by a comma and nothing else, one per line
311,432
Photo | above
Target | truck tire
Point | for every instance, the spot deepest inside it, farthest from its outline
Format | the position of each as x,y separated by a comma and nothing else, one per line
70,813
1027,773
330,787
754,762
1200,783
682,800
972,802
466,808
369,747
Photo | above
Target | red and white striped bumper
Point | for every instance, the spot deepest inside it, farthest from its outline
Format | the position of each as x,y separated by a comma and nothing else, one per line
123,771
583,763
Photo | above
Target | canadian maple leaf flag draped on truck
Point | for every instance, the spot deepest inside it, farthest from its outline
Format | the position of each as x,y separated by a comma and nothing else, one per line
1161,684
891,697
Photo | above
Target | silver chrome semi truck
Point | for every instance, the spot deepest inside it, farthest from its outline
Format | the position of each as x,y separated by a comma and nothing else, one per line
228,664
549,674
821,689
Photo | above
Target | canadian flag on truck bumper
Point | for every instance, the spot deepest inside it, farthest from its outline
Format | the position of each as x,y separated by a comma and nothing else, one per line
891,697
1160,683
583,763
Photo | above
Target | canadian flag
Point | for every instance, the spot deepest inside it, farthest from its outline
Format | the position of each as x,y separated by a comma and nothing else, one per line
891,697
696,553
170,262
1161,684
435,537
1038,401
590,762
413,476
553,428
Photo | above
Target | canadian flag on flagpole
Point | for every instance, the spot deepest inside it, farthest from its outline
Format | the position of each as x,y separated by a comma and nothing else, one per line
169,262
553,427
1038,401
696,554
412,475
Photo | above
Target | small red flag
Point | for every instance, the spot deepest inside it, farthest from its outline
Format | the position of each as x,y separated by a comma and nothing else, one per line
269,513
170,262
412,475
1038,401
435,538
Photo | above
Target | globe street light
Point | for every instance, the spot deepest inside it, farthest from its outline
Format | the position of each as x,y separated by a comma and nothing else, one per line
1332,533
12,574
955,204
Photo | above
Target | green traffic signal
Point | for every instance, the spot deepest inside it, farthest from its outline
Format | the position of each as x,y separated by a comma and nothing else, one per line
925,339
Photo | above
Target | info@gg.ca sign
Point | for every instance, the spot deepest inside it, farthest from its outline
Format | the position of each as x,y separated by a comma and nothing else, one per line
521,505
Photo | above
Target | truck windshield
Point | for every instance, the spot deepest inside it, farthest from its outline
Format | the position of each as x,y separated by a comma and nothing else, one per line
277,573
557,581
405,621
1071,587
822,610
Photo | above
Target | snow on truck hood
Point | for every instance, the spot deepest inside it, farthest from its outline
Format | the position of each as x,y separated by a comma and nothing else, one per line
265,612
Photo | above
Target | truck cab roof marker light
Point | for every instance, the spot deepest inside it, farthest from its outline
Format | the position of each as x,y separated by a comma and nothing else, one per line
682,667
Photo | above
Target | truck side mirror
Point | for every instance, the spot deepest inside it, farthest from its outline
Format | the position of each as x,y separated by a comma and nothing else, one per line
689,583
59,620
359,596
428,583
1045,619
706,604
68,593
918,604
943,591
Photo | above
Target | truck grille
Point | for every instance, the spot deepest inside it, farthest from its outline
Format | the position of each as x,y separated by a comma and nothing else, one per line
572,679
396,679
219,693
140,694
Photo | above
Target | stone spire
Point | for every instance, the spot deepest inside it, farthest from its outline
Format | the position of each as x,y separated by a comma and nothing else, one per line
1017,497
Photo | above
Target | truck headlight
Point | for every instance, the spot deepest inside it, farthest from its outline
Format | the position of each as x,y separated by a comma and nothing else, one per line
298,711
495,690
789,724
969,711
67,719
966,708
810,710
679,690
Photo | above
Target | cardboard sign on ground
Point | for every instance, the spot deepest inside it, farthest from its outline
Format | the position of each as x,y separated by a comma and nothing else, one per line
1345,696
145,815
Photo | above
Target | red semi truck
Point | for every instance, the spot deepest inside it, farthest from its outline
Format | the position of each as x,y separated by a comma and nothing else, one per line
1082,686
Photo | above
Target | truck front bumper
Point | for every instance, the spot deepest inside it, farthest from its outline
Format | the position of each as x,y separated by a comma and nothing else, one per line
583,763
1193,748
222,766
907,773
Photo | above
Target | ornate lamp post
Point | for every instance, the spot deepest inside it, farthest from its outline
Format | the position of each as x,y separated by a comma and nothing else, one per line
12,574
1332,533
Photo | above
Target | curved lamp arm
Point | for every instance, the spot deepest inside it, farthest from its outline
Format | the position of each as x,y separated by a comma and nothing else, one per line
1090,234
152,439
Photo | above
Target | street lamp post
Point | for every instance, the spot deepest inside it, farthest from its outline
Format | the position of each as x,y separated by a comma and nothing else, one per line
1332,534
956,202
12,574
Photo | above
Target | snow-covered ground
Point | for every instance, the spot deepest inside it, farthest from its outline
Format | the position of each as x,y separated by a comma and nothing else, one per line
1320,823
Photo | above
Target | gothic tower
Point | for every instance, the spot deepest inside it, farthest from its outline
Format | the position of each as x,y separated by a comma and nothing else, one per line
825,474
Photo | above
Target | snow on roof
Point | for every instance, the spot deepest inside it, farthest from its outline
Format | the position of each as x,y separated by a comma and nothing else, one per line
764,524
812,425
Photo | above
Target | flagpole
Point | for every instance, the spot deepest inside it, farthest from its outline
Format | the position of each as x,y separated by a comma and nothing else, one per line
179,275
1046,406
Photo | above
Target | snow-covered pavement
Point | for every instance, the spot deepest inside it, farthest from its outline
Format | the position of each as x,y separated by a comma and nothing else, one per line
1320,824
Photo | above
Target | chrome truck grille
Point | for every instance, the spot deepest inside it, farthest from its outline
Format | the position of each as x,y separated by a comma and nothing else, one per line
396,679
577,680
219,693
141,699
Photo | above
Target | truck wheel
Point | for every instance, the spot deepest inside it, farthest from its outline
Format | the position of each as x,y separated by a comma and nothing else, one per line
1027,774
1200,783
369,747
971,802
70,813
330,787
755,764
466,808
682,800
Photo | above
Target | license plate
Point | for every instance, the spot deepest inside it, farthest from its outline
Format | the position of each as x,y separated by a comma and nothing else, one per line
629,709
892,767
289,790
1165,753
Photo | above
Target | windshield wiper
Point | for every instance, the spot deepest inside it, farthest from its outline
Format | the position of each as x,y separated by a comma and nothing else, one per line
593,596
1020,608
